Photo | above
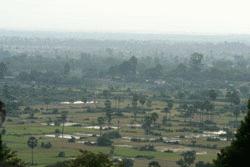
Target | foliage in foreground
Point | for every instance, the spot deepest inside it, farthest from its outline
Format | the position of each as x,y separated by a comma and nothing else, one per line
8,158
237,154
86,159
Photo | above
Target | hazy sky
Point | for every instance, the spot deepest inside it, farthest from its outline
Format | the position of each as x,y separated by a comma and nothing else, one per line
147,16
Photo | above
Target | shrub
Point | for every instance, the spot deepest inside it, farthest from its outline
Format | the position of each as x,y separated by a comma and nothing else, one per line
103,141
61,154
46,145
72,140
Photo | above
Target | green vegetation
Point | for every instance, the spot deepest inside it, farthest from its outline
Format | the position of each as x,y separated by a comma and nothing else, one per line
124,102
237,154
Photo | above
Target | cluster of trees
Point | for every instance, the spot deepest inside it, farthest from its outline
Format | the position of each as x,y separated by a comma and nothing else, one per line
75,70
125,69
149,121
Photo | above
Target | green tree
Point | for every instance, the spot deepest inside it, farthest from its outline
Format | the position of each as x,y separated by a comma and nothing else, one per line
236,113
154,164
208,107
86,159
149,103
154,117
147,122
196,61
32,143
126,163
57,132
142,100
237,154
89,159
103,141
63,118
100,121
132,65
187,159
212,94
108,110
167,111
233,97
134,105
170,104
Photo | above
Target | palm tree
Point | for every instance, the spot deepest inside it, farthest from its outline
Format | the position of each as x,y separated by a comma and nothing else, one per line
32,143
147,124
170,104
187,159
167,111
206,106
100,121
184,110
142,100
212,94
236,112
108,110
149,103
119,100
199,109
191,110
134,105
57,133
154,117
64,116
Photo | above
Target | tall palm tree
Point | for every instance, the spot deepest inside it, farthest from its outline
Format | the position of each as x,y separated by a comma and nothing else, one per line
142,100
134,105
147,124
108,110
100,121
154,117
119,99
64,116
167,111
32,143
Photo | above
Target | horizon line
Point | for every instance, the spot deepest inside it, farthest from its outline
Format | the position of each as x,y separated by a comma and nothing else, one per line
126,32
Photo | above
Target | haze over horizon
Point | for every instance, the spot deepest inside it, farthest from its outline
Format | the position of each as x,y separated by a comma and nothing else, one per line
116,16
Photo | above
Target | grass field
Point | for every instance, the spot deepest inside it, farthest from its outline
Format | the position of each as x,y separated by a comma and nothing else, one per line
20,129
